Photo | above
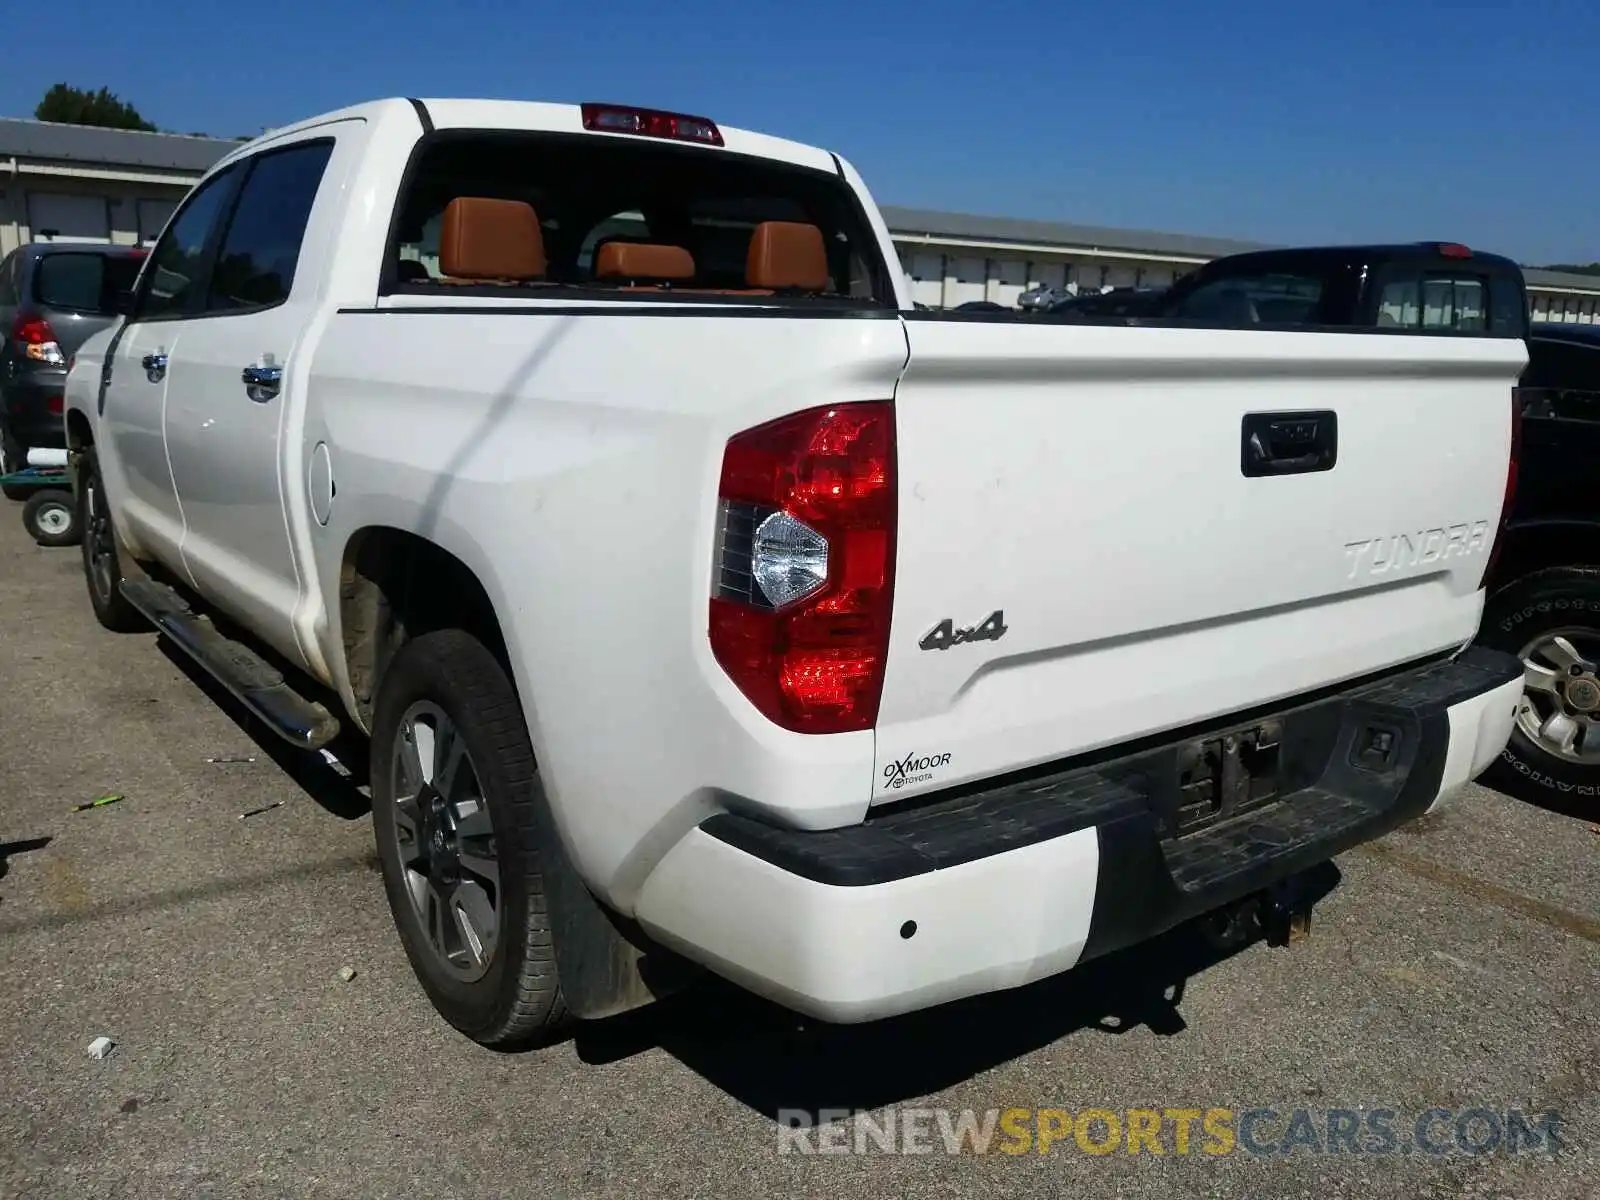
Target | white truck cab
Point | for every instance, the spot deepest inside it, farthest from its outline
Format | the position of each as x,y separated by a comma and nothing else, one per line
706,603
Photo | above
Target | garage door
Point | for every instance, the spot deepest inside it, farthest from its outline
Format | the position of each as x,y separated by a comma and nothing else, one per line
153,216
927,278
59,217
971,281
1013,280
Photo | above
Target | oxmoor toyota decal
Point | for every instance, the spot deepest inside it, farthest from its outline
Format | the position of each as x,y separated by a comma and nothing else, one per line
913,768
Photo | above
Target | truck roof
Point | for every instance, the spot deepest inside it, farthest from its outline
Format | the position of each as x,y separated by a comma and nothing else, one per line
1365,254
534,116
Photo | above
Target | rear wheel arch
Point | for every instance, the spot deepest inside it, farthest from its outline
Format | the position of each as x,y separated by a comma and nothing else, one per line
397,588
1531,550
394,586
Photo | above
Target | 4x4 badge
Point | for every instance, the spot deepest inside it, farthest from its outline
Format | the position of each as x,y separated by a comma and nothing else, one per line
945,634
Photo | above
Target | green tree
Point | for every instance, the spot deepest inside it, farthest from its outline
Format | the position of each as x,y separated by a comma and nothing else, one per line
76,106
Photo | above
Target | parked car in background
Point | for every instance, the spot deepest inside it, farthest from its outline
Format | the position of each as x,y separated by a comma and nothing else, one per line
1544,587
53,297
1039,298
1118,302
1421,286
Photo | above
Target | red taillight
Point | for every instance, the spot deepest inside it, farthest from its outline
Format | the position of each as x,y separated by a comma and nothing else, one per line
35,339
1454,250
649,122
805,565
58,405
1511,486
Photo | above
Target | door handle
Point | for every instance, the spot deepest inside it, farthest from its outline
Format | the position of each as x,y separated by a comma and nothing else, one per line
262,383
155,366
1289,443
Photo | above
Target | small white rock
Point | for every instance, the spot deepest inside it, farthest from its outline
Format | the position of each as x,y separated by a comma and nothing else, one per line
347,973
101,1047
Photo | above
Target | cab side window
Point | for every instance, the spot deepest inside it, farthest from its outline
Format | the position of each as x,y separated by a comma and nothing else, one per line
261,247
173,278
1267,298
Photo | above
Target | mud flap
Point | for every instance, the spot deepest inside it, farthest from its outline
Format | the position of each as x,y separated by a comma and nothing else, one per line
606,964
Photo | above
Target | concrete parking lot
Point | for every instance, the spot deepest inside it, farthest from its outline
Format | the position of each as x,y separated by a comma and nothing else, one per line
1455,966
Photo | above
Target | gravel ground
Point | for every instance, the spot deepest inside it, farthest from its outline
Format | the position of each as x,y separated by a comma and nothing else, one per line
1454,965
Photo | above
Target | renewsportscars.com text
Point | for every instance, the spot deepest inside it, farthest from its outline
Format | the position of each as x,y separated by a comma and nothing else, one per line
1263,1132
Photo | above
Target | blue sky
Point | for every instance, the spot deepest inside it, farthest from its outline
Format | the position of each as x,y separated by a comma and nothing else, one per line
1285,122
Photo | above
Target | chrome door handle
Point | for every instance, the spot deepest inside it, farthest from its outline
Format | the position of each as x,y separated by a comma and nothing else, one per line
262,383
155,366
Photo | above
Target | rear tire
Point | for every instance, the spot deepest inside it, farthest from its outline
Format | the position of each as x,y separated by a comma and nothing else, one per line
1526,619
51,518
102,556
442,833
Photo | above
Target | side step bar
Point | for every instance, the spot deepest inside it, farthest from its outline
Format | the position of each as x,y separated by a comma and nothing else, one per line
257,684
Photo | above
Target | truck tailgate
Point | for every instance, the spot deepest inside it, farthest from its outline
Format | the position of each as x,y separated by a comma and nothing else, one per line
1090,549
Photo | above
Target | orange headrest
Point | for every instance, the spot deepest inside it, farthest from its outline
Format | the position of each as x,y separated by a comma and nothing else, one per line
643,260
787,254
483,238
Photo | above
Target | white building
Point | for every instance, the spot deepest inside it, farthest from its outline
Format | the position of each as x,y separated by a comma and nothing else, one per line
73,182
79,183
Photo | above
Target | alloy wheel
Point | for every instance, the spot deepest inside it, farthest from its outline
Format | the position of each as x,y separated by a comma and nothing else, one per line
1561,699
445,842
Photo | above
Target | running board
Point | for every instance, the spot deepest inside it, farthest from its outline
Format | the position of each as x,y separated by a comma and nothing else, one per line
256,683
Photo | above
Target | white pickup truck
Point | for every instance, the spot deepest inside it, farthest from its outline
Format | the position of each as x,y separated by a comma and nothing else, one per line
706,604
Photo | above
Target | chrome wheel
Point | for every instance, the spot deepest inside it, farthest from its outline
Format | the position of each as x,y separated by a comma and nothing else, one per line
54,519
444,842
1561,697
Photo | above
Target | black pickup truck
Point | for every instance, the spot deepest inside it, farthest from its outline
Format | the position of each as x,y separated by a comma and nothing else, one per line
1544,587
1433,286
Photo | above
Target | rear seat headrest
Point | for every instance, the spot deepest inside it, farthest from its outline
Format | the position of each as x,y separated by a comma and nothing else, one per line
787,254
649,261
483,238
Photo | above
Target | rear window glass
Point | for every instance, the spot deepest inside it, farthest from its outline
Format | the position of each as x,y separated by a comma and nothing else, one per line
1270,298
1436,301
588,192
1452,304
83,282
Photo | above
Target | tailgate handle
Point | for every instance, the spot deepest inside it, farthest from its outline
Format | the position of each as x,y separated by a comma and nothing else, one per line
1289,443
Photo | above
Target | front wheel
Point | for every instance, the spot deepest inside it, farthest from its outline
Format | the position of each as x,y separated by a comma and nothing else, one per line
49,518
454,788
102,562
1551,620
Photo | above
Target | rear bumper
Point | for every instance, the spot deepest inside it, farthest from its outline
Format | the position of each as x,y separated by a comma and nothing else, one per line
25,407
994,887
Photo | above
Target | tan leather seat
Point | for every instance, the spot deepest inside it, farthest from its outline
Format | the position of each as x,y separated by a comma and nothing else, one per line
643,262
787,255
494,240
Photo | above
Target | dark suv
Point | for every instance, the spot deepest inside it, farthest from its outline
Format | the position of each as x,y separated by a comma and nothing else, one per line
53,296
